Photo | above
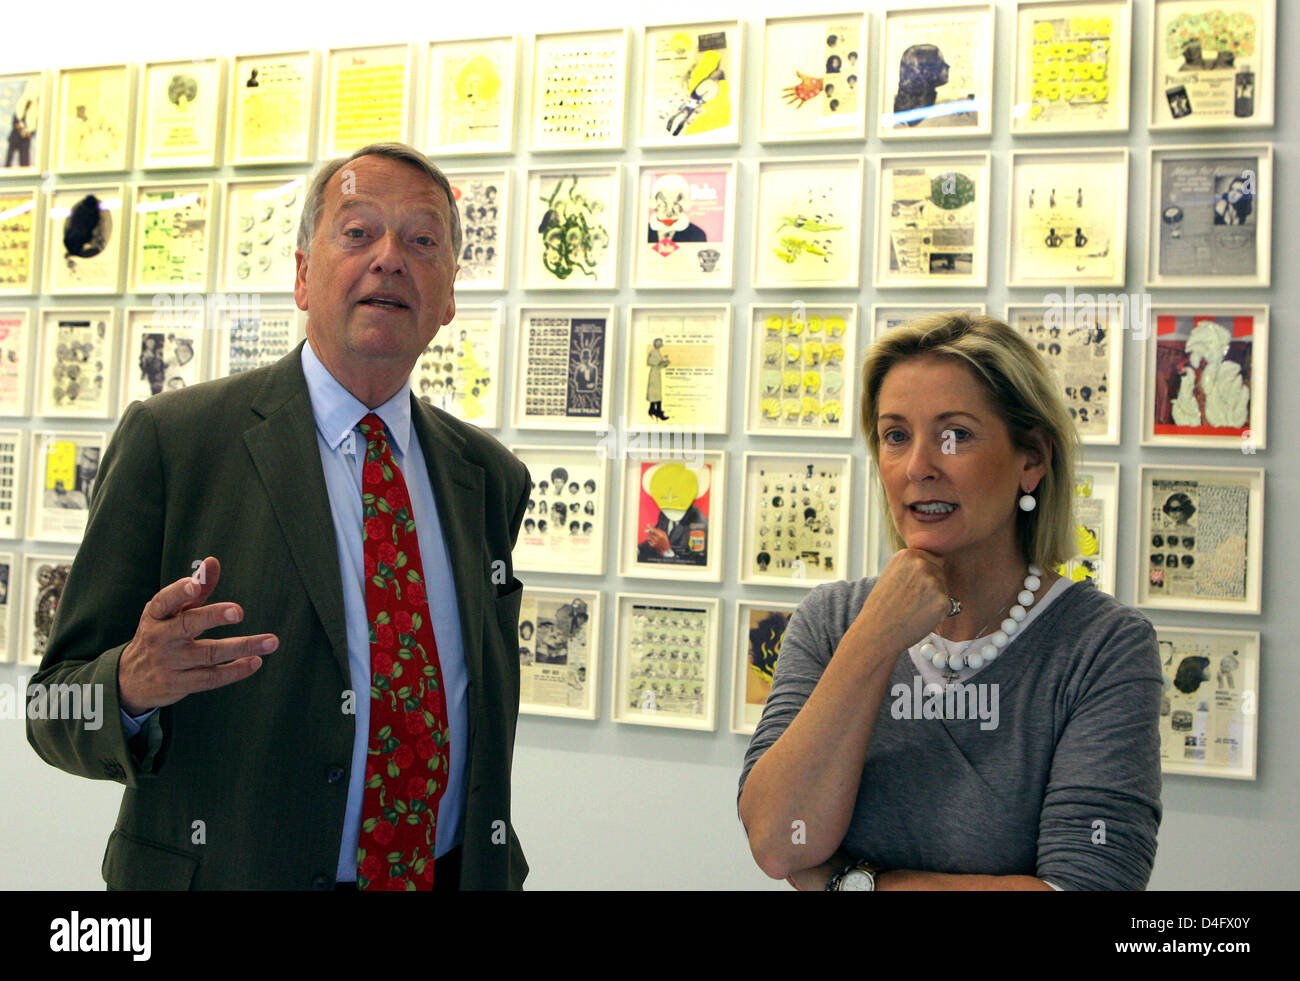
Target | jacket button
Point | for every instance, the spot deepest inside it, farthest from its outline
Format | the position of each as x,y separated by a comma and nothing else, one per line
322,882
335,774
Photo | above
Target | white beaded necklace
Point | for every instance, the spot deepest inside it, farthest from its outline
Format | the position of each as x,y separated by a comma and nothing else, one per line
999,638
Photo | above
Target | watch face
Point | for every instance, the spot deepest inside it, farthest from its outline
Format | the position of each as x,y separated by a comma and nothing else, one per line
857,881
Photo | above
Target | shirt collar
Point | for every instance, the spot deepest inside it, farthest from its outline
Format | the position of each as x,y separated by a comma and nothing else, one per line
337,411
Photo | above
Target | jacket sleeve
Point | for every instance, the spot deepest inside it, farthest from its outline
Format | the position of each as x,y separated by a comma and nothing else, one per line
114,575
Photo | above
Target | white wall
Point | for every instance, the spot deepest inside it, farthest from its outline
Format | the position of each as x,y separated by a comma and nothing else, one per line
600,805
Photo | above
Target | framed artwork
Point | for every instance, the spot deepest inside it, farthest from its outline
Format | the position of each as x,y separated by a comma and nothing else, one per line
932,220
1200,538
760,628
1096,516
796,519
460,370
677,367
559,652
565,525
85,239
63,471
808,224
172,237
578,91
689,214
24,103
367,97
76,362
245,339
483,197
164,352
1072,67
1083,342
21,218
182,105
672,525
259,233
571,229
272,114
1212,63
691,84
801,375
16,335
13,482
878,549
1209,713
814,78
886,316
1068,220
9,576
44,577
936,78
564,368
93,121
469,97
1211,216
1206,377
666,661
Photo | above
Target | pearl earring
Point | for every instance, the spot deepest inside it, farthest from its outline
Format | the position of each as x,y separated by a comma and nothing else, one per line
1027,503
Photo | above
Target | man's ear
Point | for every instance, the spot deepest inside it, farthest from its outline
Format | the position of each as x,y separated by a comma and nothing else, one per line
300,279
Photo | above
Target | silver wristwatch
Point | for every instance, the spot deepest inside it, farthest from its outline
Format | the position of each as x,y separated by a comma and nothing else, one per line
855,877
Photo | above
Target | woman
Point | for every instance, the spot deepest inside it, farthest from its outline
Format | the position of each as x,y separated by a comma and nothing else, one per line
1037,764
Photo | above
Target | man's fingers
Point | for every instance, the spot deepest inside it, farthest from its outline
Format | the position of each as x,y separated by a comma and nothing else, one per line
220,675
185,593
189,624
205,654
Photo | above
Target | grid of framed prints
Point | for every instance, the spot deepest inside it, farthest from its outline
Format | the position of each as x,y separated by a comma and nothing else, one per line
571,228
1209,712
272,106
1206,377
460,370
1210,219
1083,344
94,118
692,84
932,220
677,367
760,628
16,337
1200,536
1096,516
64,465
564,367
8,606
672,521
808,231
44,577
24,101
1072,67
813,84
796,519
801,379
567,517
260,233
470,97
559,652
483,200
689,211
1068,221
666,667
85,241
1212,63
172,237
936,77
21,212
578,91
181,107
367,97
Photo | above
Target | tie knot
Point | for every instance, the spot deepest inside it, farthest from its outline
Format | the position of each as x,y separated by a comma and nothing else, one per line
372,427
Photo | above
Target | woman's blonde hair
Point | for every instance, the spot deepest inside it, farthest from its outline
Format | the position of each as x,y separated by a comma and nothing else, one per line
1026,396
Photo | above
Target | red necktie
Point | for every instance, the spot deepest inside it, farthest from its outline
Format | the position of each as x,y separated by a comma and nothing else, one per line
407,759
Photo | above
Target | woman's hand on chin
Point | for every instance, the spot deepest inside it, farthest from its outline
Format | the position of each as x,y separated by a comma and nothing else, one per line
908,600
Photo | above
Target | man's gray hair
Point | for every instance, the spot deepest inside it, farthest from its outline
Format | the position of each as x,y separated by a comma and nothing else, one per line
315,201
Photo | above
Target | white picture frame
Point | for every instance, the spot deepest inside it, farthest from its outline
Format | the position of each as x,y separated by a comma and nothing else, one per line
22,224
689,370
77,362
472,344
691,626
877,551
756,650
482,76
544,549
1225,93
94,137
484,199
808,212
14,444
574,624
692,84
913,258
244,338
17,341
1072,67
18,90
154,343
104,248
259,233
1095,255
780,360
885,316
1237,400
701,254
551,389
159,209
379,91
692,544
1241,498
10,577
572,228
181,111
794,103
275,125
1096,515
584,68
62,473
44,577
1184,183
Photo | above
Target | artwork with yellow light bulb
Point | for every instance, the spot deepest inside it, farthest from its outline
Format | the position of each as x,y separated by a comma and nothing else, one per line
470,97
691,85
673,516
796,509
181,109
800,375
677,368
666,661
1072,66
272,106
1096,517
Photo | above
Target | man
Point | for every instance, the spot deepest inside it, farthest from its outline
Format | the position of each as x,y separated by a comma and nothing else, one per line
232,514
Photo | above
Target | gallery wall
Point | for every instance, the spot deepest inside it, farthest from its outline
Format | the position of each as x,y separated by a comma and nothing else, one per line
601,803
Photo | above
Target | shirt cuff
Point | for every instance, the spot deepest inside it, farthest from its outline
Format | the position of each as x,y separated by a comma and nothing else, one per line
131,724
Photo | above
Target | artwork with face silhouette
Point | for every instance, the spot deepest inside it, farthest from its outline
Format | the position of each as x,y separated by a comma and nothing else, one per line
687,239
1212,63
559,632
569,488
935,71
689,84
84,231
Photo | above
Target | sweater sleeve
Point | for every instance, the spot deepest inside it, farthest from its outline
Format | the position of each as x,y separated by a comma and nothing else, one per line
1101,808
